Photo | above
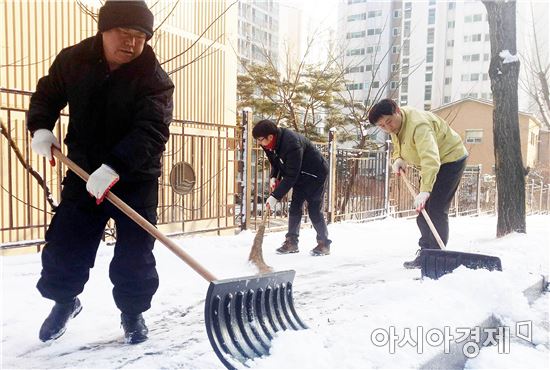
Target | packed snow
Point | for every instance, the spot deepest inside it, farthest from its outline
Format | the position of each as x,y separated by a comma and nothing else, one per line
351,300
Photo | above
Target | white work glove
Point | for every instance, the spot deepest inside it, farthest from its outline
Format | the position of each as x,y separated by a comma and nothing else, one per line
273,183
42,142
397,165
100,181
420,200
271,202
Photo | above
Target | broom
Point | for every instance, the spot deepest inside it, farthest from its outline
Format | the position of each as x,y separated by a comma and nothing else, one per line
256,255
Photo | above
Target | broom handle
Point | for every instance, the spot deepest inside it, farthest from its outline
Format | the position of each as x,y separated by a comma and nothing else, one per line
424,213
137,218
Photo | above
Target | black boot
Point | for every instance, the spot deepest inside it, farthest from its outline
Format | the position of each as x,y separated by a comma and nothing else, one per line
415,263
56,323
135,330
322,248
290,245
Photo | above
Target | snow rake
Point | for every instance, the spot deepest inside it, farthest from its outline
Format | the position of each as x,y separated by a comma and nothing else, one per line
438,262
242,314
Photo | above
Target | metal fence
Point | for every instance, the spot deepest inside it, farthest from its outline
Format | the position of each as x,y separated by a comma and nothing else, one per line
210,149
232,183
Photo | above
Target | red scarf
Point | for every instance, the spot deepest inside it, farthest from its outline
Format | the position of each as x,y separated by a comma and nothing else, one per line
271,144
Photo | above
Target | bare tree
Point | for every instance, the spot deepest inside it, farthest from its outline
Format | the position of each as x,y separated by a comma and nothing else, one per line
535,82
504,72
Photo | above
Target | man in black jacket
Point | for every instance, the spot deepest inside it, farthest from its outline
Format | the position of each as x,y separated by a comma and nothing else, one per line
120,103
295,164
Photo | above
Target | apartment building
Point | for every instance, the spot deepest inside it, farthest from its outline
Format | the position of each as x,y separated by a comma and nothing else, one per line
258,32
369,33
440,49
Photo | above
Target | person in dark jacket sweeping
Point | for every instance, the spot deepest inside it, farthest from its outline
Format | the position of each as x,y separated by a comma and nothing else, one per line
295,164
120,103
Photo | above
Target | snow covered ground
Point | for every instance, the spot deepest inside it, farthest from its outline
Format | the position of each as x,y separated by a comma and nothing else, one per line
358,293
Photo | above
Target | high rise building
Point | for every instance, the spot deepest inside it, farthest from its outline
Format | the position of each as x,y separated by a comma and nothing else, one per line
432,52
258,32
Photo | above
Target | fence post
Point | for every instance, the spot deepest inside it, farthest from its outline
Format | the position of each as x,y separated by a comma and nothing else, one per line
331,174
478,198
247,168
387,179
531,197
540,197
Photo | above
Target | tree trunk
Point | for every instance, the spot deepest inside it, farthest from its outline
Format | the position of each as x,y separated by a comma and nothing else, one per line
503,71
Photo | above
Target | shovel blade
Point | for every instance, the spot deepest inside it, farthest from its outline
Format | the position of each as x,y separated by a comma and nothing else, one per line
436,263
242,315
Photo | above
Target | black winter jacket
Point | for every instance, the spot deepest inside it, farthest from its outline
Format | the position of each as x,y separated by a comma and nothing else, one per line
296,160
120,118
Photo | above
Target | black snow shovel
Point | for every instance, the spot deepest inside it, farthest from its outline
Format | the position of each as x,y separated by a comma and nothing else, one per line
438,262
242,314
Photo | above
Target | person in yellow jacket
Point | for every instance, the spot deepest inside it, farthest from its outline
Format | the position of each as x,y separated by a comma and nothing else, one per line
424,140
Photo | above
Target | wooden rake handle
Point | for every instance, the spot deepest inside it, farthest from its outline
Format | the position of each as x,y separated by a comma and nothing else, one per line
424,213
137,218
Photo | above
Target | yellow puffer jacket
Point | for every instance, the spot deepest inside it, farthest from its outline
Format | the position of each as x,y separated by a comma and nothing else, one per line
426,141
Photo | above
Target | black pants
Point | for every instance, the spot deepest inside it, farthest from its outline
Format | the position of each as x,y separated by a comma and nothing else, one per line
312,192
73,238
438,204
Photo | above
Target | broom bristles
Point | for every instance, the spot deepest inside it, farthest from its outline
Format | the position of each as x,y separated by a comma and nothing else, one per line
256,254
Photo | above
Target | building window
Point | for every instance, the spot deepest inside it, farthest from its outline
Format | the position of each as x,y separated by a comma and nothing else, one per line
451,5
468,19
407,29
446,99
474,77
404,84
451,24
356,86
450,43
368,68
394,67
476,37
485,57
430,54
355,69
397,13
465,77
485,76
374,31
395,31
395,49
428,92
448,62
475,57
474,136
429,77
355,35
431,16
393,85
374,13
355,52
448,80
357,17
431,35
356,1
477,18
466,58
375,84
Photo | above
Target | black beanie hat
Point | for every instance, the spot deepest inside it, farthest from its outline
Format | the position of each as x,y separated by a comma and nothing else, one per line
130,14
